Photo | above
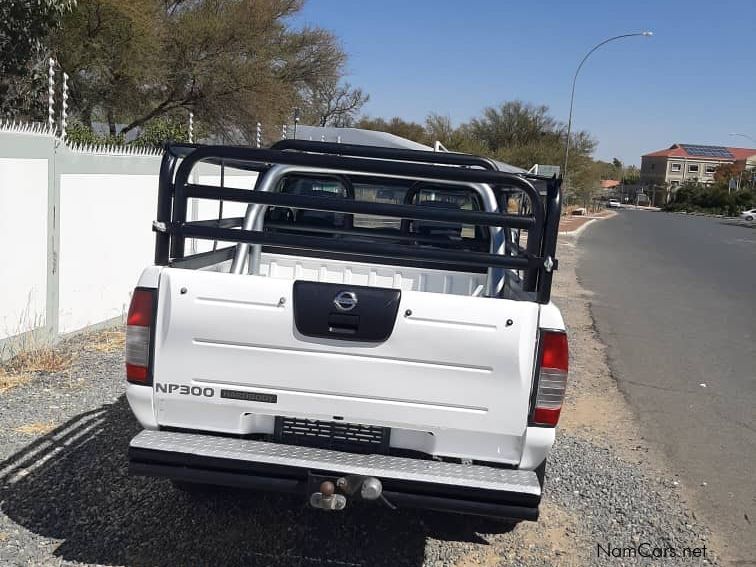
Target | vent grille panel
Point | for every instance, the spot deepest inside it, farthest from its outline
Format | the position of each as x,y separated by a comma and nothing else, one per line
335,435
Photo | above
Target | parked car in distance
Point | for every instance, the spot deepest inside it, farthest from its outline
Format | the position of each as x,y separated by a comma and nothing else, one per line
748,215
614,204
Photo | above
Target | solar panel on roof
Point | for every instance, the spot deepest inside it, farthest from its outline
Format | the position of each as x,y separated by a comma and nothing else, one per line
707,151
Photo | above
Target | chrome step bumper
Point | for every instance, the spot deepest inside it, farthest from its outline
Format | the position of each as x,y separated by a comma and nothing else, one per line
472,489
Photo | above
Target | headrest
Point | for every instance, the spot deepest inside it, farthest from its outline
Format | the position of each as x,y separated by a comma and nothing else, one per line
428,227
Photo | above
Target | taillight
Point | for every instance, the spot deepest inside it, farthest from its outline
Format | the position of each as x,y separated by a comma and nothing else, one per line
552,378
138,335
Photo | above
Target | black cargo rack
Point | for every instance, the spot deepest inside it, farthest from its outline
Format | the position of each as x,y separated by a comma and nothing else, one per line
541,221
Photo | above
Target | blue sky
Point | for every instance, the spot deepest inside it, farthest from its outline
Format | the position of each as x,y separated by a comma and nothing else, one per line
693,82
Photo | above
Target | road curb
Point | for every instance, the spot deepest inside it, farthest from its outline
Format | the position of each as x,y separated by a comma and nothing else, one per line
579,230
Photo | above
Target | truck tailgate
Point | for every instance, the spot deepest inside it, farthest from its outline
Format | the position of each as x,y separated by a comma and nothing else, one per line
227,350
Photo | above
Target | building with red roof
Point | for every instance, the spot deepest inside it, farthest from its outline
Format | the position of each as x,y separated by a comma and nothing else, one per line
689,163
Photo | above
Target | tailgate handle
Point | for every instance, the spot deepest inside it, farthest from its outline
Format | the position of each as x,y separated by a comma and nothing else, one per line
340,324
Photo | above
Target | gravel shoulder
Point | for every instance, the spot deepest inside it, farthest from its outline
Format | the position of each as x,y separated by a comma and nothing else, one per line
66,497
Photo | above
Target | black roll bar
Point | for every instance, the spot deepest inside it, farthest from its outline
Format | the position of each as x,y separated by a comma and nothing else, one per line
415,212
345,163
164,206
174,190
401,154
359,150
362,165
551,231
318,243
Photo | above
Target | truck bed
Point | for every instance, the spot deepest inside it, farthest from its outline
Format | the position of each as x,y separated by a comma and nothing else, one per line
288,267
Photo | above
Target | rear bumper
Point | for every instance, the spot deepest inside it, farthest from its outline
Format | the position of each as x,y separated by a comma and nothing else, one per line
468,489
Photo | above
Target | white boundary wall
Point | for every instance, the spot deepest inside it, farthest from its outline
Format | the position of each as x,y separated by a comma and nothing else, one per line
75,230
23,244
105,242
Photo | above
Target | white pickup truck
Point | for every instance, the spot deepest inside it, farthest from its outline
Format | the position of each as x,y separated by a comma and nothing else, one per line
379,328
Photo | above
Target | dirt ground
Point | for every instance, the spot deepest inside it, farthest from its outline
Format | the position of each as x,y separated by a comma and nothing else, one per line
570,223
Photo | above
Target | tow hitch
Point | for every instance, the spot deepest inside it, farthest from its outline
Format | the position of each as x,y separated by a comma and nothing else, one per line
333,496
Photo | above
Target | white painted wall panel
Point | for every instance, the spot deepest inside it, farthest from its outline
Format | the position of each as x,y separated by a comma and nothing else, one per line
23,244
106,241
107,204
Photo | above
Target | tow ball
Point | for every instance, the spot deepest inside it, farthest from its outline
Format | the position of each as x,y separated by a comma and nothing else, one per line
355,486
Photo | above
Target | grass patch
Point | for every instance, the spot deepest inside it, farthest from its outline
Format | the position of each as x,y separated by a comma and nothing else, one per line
37,428
10,379
33,356
24,365
45,359
106,342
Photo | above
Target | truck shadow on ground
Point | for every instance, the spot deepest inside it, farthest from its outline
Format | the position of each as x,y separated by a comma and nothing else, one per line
73,485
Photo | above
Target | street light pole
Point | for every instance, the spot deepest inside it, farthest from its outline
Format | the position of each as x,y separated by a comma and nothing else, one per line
574,80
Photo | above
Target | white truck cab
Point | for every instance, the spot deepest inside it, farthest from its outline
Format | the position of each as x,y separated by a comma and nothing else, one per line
375,330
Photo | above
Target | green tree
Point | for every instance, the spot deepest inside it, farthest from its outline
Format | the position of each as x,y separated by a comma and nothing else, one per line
440,128
631,175
161,130
232,62
154,135
331,102
727,172
611,170
515,132
24,28
110,51
585,177
715,199
397,126
524,134
514,124
78,133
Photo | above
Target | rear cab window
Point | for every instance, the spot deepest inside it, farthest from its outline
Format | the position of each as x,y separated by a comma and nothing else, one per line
386,191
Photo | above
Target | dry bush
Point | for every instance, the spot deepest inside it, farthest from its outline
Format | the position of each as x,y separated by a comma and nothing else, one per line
10,379
108,341
33,356
44,359
22,367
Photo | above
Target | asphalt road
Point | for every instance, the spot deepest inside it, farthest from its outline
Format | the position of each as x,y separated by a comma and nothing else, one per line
675,302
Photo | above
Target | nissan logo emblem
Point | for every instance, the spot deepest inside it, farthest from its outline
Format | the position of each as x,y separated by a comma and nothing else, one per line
345,300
